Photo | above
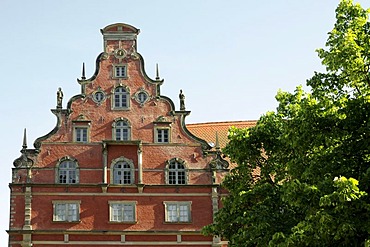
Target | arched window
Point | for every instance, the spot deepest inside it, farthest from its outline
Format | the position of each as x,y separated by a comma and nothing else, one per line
123,172
176,172
121,97
67,171
121,130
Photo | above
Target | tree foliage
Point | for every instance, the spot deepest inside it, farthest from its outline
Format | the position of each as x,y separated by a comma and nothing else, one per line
313,154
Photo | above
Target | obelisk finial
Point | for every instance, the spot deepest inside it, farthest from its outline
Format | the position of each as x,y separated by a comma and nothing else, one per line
157,73
83,77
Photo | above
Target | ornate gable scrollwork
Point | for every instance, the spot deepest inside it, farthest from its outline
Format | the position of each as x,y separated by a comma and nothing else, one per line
24,161
161,119
218,163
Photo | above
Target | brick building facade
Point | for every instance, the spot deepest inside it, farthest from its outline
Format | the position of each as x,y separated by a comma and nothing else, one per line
119,168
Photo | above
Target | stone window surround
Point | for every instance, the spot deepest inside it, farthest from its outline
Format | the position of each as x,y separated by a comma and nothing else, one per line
123,203
128,161
66,202
178,214
60,161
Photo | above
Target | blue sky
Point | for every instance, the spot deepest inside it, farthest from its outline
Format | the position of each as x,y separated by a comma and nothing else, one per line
229,57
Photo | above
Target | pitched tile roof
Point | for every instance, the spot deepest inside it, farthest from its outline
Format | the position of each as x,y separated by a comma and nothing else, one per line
207,131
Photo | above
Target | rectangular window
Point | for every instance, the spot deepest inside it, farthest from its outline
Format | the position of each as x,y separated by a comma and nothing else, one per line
177,212
81,134
122,134
163,135
122,211
66,211
120,71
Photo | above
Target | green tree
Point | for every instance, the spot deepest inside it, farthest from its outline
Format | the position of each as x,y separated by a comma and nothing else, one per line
312,154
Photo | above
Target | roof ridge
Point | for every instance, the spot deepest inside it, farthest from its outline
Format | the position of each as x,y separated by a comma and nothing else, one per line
223,122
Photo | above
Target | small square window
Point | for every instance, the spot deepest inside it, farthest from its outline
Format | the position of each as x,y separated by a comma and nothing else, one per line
81,134
163,136
177,212
66,211
120,71
122,212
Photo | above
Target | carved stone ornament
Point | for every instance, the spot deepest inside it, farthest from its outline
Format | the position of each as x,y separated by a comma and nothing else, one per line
81,117
99,96
104,56
141,97
23,161
132,51
161,119
218,163
120,53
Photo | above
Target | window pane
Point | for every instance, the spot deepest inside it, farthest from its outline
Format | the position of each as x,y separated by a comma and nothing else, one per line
172,213
116,210
162,135
176,173
122,173
60,212
122,131
178,212
127,177
181,177
62,177
117,100
172,177
120,97
121,212
72,212
81,134
120,71
67,173
66,212
128,213
184,213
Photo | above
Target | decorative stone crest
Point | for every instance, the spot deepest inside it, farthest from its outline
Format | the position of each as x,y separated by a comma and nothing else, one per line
161,119
120,53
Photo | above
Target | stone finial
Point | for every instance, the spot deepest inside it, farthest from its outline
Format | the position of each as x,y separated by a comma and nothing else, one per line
24,146
217,146
83,77
157,73
59,98
182,101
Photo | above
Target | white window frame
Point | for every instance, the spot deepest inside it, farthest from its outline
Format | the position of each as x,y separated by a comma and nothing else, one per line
71,174
66,211
177,175
120,71
123,98
159,135
126,127
177,211
122,175
118,211
113,171
79,135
